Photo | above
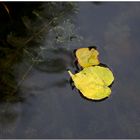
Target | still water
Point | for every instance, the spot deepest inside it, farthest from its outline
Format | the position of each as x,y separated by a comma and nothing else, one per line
53,110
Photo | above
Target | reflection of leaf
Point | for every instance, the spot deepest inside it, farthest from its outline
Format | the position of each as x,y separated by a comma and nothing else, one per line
54,60
93,82
16,41
50,65
87,57
27,22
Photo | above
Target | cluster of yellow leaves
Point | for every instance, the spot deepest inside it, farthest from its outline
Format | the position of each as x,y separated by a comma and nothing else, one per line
92,81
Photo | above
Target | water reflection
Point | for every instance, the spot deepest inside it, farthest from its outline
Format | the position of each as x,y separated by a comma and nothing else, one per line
113,27
9,118
56,60
97,3
118,34
21,40
60,84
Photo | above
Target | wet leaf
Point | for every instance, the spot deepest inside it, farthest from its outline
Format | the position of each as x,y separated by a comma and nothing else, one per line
16,41
93,82
87,57
105,74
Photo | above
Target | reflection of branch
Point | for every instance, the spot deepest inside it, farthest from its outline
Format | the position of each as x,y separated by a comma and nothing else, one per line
6,8
31,66
26,42
36,34
42,29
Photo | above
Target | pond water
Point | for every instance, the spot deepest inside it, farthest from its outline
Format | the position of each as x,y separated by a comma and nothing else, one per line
53,110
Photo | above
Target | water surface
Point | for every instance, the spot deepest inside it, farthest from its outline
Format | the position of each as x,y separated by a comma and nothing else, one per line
53,110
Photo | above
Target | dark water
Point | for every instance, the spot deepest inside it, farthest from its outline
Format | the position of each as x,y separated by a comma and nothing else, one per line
54,110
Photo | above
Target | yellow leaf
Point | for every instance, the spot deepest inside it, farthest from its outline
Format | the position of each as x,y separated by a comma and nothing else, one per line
93,82
105,74
87,57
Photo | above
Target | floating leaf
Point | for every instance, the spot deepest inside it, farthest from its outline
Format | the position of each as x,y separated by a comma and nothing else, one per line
105,74
93,82
87,57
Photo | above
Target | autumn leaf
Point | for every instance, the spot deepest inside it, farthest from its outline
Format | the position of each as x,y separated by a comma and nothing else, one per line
87,57
93,82
105,74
